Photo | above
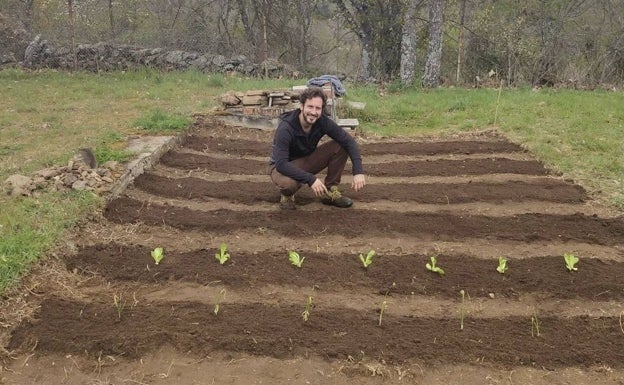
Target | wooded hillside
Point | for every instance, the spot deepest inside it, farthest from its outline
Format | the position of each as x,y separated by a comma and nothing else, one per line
574,43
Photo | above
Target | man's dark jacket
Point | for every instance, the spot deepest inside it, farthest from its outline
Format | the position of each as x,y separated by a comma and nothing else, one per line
291,142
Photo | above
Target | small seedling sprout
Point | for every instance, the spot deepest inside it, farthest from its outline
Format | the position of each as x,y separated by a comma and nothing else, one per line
305,314
502,265
295,258
571,260
368,260
384,305
158,254
535,327
462,309
220,298
222,256
432,266
118,304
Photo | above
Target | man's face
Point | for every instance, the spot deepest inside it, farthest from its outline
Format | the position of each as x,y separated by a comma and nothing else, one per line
312,110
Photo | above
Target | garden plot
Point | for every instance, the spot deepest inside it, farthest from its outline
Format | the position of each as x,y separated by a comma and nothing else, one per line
465,201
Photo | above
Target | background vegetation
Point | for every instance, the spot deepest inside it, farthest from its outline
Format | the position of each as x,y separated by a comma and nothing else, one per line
45,116
576,43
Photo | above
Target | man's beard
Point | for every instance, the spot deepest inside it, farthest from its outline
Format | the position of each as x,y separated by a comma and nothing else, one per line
311,118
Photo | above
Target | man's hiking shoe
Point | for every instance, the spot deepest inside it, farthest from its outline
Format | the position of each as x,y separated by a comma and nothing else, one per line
335,198
287,202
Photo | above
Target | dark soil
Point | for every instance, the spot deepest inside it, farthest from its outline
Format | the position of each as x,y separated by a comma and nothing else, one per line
86,323
246,147
352,223
389,274
551,190
97,329
443,167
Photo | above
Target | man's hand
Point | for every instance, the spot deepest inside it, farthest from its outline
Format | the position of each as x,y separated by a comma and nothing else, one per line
359,181
319,188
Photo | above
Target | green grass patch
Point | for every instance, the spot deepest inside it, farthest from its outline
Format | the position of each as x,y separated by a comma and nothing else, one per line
29,227
159,121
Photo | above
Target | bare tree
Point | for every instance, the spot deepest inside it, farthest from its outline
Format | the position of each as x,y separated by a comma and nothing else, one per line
72,31
408,43
460,40
377,25
431,77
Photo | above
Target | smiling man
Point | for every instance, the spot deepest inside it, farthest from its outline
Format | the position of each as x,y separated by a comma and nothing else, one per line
296,156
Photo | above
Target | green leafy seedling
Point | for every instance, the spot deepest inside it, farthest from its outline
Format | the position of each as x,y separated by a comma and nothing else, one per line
158,254
368,260
295,258
222,256
502,265
305,314
571,260
432,266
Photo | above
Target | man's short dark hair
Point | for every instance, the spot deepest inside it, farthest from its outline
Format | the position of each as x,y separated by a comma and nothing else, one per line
313,92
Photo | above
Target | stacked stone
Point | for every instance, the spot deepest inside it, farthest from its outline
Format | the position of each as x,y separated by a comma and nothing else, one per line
260,102
75,176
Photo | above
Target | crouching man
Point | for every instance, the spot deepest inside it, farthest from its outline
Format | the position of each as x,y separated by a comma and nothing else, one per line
296,156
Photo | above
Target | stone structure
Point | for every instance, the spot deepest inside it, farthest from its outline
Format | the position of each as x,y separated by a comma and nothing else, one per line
110,57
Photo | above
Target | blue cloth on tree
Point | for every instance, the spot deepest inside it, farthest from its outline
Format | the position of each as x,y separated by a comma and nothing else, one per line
339,90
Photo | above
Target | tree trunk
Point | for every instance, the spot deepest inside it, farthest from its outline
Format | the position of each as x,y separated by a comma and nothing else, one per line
265,41
72,31
111,18
408,45
460,41
249,34
431,77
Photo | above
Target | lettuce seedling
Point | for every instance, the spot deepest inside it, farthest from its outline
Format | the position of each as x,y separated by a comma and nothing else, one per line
368,260
502,265
295,258
432,266
222,256
571,260
305,314
158,254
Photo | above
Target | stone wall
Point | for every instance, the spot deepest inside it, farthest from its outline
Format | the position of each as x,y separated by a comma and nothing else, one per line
110,57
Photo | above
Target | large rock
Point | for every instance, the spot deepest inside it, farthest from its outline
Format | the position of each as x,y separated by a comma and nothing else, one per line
17,185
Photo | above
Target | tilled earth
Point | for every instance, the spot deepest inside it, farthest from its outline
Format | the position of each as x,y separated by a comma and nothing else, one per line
467,200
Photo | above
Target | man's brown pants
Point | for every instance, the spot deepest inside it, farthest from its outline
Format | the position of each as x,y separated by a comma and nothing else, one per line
329,155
